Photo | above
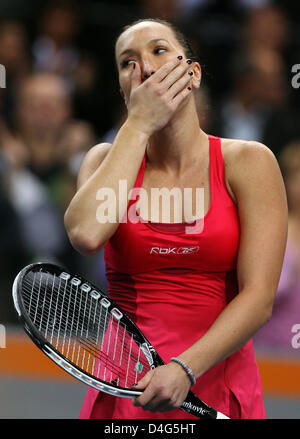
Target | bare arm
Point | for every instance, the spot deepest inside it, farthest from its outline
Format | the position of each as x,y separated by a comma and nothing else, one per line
103,167
262,206
152,104
263,214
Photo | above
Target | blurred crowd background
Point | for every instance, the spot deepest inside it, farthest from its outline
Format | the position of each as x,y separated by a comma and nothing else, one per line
62,97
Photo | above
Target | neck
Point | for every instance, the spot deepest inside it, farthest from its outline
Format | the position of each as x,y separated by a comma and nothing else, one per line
178,144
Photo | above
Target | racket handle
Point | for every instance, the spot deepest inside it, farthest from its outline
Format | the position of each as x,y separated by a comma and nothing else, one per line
196,407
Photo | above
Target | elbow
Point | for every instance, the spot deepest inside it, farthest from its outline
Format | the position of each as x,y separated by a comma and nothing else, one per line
84,244
82,241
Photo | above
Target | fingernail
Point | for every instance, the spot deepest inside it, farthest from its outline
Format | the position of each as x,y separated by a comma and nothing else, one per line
191,73
180,57
189,61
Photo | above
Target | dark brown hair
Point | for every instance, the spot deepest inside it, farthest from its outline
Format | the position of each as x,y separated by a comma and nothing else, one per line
181,38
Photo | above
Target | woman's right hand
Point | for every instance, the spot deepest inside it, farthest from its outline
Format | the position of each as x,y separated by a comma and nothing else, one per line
153,102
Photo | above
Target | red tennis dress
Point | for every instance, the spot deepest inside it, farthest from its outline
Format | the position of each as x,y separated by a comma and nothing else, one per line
174,284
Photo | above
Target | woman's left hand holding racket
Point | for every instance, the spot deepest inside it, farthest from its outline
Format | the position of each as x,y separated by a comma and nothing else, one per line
164,388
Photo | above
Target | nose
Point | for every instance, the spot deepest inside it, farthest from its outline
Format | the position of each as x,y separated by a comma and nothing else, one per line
147,69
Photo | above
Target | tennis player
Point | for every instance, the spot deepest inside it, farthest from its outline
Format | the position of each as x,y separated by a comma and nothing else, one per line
198,295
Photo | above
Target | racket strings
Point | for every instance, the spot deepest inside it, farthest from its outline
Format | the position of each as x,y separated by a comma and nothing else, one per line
89,328
52,314
108,364
85,332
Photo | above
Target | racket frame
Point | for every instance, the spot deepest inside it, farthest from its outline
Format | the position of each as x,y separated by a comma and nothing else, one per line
152,357
192,403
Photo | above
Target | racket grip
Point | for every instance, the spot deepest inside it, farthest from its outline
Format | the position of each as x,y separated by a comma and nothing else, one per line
196,407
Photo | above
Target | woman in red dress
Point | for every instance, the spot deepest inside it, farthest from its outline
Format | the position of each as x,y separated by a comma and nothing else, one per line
200,288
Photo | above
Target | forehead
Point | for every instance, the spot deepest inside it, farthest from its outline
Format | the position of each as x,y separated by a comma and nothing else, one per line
142,33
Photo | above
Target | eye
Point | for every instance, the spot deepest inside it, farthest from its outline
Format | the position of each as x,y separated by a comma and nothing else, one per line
126,63
159,50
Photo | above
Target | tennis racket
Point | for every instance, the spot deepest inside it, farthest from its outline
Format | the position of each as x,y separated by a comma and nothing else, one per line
83,331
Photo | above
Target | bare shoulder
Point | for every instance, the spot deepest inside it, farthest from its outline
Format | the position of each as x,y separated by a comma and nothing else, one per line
247,159
92,161
235,150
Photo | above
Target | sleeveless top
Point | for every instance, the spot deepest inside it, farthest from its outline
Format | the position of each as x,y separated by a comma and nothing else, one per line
174,280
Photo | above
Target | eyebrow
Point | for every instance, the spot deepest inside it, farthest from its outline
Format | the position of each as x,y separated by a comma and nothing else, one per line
155,40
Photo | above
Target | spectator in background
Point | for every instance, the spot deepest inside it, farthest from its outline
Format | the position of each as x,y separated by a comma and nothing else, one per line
37,215
13,254
266,27
277,334
282,123
14,56
273,27
56,50
41,153
76,139
14,50
258,107
42,112
54,140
